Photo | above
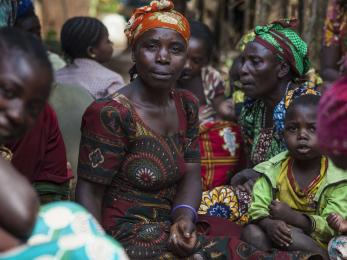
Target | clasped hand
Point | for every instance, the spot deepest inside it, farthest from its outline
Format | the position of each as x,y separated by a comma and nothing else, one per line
183,237
278,230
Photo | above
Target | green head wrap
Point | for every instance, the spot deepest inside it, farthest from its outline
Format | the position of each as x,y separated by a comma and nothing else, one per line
285,43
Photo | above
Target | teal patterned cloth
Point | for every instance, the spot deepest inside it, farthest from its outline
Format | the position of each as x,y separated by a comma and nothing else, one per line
8,9
65,230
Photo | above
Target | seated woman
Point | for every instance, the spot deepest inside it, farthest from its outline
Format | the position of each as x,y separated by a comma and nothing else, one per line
298,189
38,153
332,139
220,139
85,42
273,65
62,230
139,163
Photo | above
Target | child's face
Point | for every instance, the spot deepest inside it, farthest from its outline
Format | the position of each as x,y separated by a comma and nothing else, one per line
197,58
24,89
300,132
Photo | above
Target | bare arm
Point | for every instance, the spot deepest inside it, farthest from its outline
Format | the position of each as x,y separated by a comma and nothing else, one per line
18,202
329,62
189,191
90,195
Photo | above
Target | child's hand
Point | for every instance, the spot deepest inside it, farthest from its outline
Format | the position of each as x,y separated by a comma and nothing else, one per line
280,210
279,233
337,223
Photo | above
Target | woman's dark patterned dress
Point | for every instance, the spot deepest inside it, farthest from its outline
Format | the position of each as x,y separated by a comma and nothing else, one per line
141,170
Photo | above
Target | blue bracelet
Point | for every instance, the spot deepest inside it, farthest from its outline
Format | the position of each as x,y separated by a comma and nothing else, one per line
187,207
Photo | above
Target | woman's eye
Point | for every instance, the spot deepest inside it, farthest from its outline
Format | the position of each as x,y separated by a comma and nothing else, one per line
176,49
255,61
312,129
151,46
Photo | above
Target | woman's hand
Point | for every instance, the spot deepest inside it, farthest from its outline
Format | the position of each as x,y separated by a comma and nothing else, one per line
337,223
183,237
244,180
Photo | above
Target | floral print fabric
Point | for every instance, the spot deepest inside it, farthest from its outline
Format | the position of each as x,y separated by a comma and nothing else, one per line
65,230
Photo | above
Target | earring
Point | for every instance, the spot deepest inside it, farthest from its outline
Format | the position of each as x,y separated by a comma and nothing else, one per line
92,56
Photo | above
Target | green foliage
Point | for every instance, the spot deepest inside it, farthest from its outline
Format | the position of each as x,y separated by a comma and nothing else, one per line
108,6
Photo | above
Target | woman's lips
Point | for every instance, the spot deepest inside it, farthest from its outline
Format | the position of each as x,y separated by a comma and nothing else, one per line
161,75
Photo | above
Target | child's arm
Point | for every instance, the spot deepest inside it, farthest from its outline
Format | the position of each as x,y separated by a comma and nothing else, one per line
337,223
281,211
261,199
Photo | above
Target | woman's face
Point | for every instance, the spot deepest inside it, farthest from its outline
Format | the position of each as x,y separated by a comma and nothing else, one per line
104,50
24,89
160,55
258,71
197,58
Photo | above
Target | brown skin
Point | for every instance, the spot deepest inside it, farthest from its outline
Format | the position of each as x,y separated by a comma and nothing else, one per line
300,138
197,58
30,24
23,204
263,77
24,89
159,55
337,223
103,51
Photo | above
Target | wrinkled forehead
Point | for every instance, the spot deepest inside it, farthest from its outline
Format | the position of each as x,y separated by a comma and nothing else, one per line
20,67
255,48
162,35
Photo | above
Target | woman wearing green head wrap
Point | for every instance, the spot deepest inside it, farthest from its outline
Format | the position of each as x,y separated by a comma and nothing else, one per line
273,65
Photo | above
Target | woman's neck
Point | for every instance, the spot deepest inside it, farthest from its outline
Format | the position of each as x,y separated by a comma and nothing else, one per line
148,95
274,98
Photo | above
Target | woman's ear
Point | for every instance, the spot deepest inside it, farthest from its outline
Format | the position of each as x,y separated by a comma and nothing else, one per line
90,52
284,69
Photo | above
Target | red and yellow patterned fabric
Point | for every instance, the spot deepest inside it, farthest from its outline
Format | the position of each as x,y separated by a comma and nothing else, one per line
159,14
221,152
335,26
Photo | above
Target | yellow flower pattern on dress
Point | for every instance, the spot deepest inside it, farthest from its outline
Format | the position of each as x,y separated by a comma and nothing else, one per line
226,202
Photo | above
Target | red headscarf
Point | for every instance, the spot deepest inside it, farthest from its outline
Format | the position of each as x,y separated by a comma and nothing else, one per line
159,14
332,119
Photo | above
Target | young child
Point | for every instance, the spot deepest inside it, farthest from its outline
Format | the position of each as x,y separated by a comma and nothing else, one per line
298,189
220,139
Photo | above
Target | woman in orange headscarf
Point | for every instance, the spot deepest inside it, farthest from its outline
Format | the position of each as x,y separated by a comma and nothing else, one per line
139,162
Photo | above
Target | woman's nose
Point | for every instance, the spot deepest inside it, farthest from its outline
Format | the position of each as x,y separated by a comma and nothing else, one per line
163,55
187,65
243,69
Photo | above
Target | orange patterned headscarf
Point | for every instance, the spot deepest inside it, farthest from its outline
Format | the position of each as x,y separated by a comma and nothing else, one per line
159,14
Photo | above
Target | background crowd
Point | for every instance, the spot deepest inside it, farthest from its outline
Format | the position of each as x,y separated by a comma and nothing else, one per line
172,161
